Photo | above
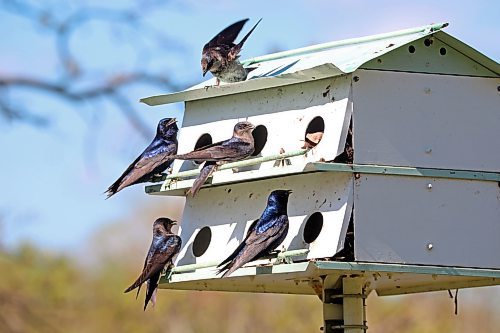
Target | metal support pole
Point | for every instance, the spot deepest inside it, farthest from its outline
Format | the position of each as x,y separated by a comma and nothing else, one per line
332,305
344,304
354,305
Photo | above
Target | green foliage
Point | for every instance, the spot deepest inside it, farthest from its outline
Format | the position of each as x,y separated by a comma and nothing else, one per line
42,292
49,293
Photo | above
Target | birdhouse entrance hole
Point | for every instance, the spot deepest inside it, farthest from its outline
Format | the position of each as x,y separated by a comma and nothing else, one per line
202,241
313,227
204,140
260,138
314,131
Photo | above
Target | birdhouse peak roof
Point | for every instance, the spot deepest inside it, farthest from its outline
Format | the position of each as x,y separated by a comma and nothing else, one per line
322,61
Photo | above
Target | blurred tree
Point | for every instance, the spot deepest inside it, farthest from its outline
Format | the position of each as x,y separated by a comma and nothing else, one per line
83,292
42,292
78,81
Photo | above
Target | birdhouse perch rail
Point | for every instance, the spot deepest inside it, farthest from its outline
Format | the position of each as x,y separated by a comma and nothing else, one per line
354,168
405,171
281,256
239,164
313,167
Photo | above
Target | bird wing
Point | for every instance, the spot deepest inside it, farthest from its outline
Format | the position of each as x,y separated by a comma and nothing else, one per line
153,158
226,36
258,244
139,288
242,244
251,228
157,258
273,228
228,150
235,50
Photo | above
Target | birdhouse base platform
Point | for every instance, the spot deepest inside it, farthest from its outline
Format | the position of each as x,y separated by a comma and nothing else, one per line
308,278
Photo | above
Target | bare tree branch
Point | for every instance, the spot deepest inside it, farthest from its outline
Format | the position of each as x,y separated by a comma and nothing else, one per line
109,87
62,26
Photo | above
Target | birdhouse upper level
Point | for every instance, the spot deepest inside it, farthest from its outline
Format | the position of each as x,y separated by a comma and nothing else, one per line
398,84
405,131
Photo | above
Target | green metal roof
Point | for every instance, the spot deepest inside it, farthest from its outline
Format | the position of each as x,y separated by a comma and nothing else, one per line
327,60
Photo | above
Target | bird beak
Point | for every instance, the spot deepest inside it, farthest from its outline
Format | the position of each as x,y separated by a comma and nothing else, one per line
289,191
174,222
205,72
172,121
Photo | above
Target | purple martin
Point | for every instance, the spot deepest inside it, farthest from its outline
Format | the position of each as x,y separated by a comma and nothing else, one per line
220,55
312,140
164,247
263,236
238,147
153,160
208,169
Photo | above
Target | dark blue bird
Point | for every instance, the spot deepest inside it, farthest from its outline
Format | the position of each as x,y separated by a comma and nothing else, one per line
164,247
263,236
153,160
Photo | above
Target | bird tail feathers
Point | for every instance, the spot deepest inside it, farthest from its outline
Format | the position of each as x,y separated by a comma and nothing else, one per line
112,190
225,270
138,290
133,286
140,280
207,170
151,290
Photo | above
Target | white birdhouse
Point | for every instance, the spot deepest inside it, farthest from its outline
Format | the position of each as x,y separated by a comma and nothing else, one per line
419,202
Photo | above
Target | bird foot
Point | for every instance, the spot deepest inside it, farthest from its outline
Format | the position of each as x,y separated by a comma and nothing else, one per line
170,182
282,162
168,272
281,259
157,177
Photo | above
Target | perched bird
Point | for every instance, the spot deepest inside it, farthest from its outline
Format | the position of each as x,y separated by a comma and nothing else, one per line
239,147
312,139
220,54
153,160
164,247
263,236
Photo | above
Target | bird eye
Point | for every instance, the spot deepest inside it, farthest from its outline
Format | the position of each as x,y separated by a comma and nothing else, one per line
210,64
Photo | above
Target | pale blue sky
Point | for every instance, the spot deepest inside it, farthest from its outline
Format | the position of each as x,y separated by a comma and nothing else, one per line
52,182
